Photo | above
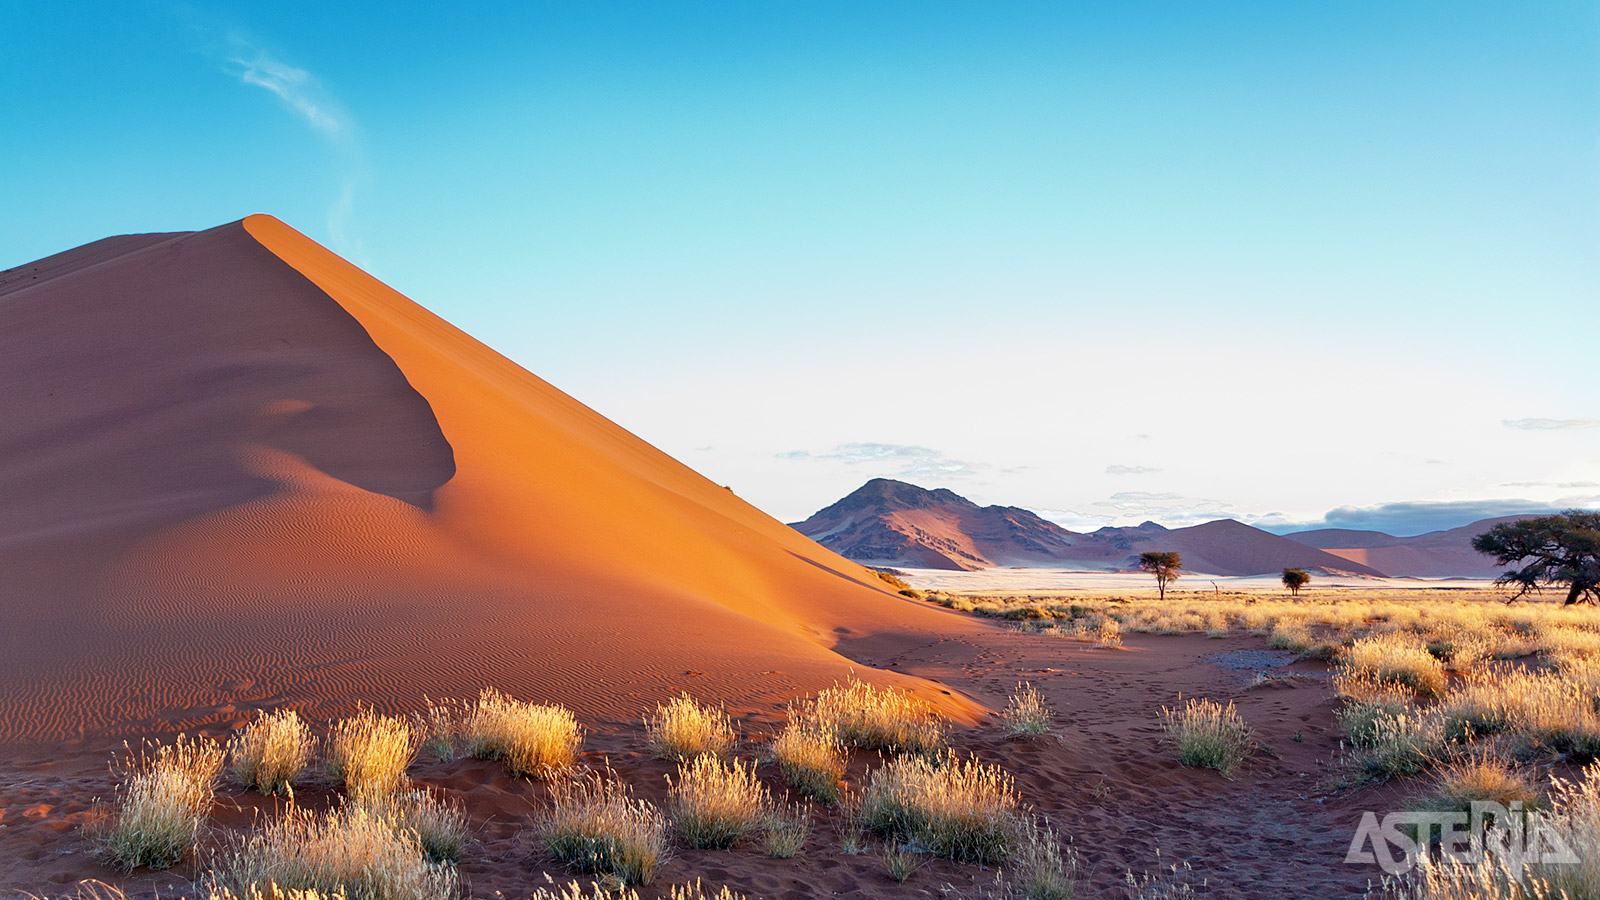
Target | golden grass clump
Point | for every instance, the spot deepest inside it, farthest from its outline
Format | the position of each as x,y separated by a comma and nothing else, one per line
1041,867
1404,744
1488,878
272,751
1574,815
1109,632
439,725
164,795
811,757
900,863
714,804
1537,708
440,826
1368,700
1209,735
785,828
369,753
595,825
888,718
1400,659
535,740
1026,714
682,728
1481,778
957,808
272,892
352,850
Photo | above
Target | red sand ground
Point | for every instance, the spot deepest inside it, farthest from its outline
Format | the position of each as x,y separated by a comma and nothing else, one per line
239,473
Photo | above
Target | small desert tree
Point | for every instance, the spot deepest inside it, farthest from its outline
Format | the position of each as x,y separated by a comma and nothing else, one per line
1163,565
1560,549
1295,579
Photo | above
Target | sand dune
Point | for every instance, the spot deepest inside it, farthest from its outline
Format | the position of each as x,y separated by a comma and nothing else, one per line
239,471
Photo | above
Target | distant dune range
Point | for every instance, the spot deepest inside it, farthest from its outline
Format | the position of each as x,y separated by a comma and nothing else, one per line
891,523
237,471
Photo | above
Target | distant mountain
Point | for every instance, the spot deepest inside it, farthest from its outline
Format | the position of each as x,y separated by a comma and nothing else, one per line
1432,555
891,523
887,522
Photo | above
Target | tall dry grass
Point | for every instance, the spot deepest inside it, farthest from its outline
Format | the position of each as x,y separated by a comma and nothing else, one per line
439,825
595,825
271,752
811,757
683,728
887,718
353,850
536,740
1026,714
714,804
1398,659
164,794
1208,735
957,808
369,753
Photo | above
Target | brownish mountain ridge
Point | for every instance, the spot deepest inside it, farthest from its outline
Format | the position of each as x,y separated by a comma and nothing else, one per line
238,471
1446,553
892,523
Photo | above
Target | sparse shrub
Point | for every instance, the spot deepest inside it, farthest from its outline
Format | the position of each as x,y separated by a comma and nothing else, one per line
1366,701
786,828
1026,714
1481,778
369,754
1401,659
1538,708
440,826
164,796
1291,636
861,715
900,863
595,825
812,760
351,850
267,892
1209,735
271,752
957,808
1042,869
1110,632
713,804
1403,744
1174,882
535,740
439,724
681,728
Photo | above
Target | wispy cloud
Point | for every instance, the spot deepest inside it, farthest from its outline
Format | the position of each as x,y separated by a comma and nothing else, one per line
1130,470
1550,424
1173,510
1562,485
303,95
903,460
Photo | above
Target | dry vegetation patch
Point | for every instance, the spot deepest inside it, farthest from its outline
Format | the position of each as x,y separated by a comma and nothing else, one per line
811,757
272,751
595,825
352,850
887,718
1209,735
957,808
713,804
1026,714
165,793
369,753
682,728
536,740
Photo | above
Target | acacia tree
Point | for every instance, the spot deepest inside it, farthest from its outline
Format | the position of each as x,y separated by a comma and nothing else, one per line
1295,579
1164,566
1561,549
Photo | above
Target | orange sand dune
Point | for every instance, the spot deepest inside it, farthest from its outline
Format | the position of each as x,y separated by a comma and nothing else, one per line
237,471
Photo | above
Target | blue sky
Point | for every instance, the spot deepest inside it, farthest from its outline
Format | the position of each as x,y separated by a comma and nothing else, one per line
1124,261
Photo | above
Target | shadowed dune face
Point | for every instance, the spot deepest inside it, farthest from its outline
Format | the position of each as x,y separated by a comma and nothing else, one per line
240,472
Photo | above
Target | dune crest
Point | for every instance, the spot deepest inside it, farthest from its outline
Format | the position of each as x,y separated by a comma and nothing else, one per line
242,472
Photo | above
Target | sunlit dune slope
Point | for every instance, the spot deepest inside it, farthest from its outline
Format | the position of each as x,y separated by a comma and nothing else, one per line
238,471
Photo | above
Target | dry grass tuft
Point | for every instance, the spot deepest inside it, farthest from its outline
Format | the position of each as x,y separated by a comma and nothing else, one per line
1041,867
539,741
1480,778
1026,714
273,892
786,828
713,804
164,795
1404,744
351,850
1209,735
440,826
957,808
272,752
812,759
369,754
900,863
682,728
439,725
861,715
1396,658
595,825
